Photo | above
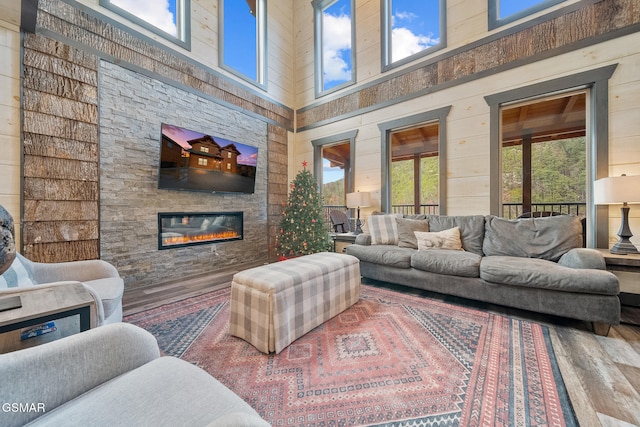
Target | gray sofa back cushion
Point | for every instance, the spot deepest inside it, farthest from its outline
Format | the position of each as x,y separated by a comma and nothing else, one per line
545,238
471,229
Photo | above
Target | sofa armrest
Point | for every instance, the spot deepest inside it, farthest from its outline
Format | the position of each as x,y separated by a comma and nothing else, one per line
583,258
57,372
81,271
363,239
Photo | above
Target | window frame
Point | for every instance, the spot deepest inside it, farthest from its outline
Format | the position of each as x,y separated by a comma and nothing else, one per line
438,115
597,83
495,21
183,22
386,32
318,145
318,8
261,46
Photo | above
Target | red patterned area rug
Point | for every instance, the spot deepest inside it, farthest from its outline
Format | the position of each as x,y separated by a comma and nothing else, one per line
391,359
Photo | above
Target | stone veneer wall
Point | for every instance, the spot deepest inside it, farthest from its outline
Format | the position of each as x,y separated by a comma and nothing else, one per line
132,108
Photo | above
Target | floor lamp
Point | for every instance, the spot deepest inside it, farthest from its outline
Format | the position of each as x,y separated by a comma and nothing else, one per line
358,200
615,190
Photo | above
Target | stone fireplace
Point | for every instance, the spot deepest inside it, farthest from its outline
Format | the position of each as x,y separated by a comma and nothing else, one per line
179,229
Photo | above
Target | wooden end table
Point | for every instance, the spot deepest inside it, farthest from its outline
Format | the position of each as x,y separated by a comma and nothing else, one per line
70,305
627,269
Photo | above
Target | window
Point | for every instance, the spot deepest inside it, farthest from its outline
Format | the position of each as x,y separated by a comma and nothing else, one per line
413,163
334,161
242,39
590,87
204,149
170,18
202,162
411,29
334,45
502,12
544,166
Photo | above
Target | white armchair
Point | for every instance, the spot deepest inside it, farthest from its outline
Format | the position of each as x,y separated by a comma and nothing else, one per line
99,277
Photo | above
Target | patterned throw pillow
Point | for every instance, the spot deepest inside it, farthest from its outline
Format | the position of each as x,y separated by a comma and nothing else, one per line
16,276
383,229
445,239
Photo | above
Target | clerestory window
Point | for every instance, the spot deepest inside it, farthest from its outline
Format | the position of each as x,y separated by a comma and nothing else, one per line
242,39
334,45
170,19
502,12
411,29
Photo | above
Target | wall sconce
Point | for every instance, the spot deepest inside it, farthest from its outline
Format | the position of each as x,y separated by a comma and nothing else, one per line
358,200
614,190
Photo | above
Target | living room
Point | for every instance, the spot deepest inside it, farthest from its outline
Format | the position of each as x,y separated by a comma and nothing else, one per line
89,86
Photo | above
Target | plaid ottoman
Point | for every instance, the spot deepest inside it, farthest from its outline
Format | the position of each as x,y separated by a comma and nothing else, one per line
274,304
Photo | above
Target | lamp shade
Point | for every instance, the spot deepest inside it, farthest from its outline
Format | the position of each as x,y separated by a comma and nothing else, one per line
617,189
358,199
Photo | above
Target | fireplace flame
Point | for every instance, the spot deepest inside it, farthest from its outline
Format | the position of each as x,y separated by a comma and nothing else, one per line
204,237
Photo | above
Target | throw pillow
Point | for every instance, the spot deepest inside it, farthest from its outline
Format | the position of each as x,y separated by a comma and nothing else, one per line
445,239
406,229
16,276
383,229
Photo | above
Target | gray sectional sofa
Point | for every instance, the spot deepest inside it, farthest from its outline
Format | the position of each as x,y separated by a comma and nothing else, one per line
535,264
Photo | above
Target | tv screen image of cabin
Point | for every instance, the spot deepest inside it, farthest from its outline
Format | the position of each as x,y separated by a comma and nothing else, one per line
195,161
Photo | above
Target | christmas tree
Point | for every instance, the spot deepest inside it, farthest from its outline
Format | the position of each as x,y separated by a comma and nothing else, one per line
302,231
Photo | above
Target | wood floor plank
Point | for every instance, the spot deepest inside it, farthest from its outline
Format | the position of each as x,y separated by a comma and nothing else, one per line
619,349
609,390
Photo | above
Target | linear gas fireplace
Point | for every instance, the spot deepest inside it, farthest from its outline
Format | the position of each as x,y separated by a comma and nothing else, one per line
178,229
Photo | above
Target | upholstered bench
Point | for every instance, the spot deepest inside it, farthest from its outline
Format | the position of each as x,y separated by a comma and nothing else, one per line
275,304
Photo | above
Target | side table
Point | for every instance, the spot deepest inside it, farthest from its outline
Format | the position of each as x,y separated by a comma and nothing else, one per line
627,269
342,240
70,305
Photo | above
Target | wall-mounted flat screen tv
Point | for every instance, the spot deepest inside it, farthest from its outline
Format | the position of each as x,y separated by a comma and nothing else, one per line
194,161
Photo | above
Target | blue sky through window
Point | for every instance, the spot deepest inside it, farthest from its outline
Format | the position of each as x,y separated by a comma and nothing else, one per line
159,13
240,38
337,66
415,26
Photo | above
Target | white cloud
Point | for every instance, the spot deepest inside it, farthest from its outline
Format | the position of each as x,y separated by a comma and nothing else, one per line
406,43
336,40
155,12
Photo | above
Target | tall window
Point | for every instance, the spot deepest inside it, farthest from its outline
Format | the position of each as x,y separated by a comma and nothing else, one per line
544,166
504,11
415,170
334,44
168,18
414,163
411,29
242,38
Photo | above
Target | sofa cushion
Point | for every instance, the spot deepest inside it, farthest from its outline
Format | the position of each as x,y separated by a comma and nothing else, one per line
545,238
16,276
444,261
406,228
389,255
539,273
157,393
383,229
445,239
471,229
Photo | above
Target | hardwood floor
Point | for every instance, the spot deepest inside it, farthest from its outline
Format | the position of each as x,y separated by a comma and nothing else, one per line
601,374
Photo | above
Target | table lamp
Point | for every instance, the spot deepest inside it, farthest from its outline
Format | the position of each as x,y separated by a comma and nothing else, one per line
358,200
614,190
